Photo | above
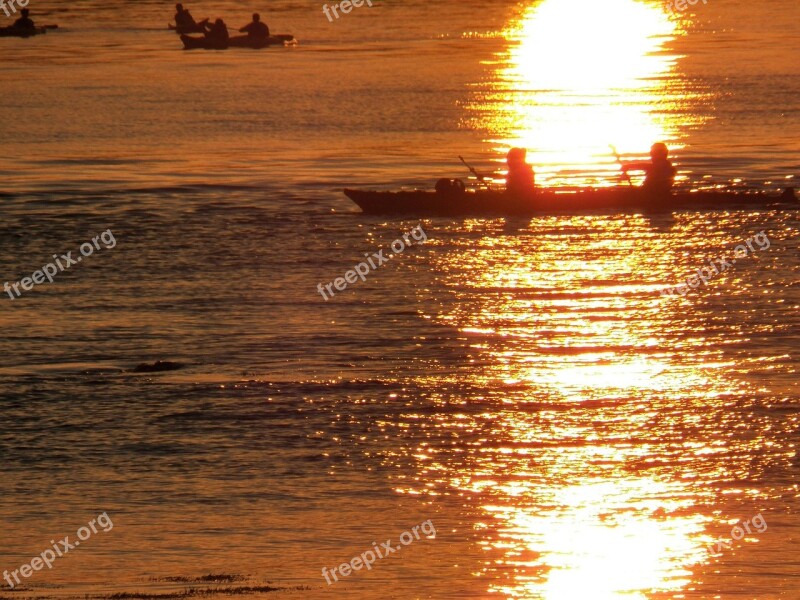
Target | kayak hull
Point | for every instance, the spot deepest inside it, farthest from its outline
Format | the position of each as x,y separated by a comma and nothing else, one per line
242,41
612,200
23,33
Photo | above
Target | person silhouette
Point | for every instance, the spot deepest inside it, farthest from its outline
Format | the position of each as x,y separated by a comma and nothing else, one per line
520,178
24,23
660,174
256,29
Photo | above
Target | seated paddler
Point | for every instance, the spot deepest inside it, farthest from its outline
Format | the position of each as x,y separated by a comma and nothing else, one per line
25,23
184,19
256,29
659,172
218,33
520,179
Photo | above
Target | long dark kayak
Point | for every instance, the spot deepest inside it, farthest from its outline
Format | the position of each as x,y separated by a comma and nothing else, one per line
242,41
23,33
611,200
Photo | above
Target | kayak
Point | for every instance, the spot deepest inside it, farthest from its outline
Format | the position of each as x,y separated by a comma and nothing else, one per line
23,33
242,41
548,201
196,28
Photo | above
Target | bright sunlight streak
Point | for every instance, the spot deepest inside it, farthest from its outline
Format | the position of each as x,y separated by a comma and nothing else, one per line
581,75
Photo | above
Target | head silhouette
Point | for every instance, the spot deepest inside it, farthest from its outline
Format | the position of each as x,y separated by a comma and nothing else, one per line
179,7
25,12
659,151
256,17
516,155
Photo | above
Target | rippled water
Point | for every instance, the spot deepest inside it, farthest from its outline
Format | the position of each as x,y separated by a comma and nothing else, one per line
570,431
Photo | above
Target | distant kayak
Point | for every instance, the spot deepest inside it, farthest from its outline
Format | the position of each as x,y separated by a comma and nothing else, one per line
23,33
196,28
552,201
242,41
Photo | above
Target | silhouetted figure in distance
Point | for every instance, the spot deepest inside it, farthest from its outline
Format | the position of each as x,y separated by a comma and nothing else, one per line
660,172
256,29
520,178
183,18
25,23
218,33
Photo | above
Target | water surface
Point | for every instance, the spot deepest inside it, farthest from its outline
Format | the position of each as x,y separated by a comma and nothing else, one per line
522,383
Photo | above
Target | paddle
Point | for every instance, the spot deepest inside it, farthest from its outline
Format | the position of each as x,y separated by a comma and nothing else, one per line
49,26
480,177
619,160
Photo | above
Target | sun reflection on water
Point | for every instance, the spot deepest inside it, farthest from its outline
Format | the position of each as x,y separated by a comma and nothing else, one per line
589,450
580,76
600,422
589,550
